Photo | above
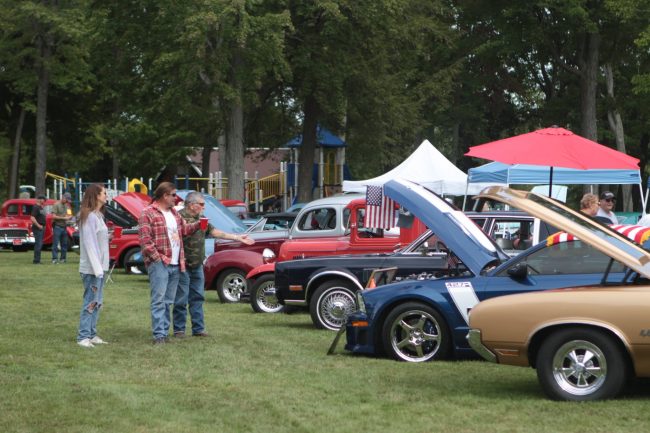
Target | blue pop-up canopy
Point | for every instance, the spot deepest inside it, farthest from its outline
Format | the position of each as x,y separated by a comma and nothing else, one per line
497,172
523,174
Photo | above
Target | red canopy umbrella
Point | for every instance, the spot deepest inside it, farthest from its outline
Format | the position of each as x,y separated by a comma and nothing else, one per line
554,147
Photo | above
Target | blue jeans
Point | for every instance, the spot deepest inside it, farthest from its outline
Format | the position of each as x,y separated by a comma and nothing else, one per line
163,280
38,245
60,238
190,291
92,303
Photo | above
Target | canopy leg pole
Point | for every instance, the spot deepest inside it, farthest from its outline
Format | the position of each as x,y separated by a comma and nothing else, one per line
644,198
550,184
465,196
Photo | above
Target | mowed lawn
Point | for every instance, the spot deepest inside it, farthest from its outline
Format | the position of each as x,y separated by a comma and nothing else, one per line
256,373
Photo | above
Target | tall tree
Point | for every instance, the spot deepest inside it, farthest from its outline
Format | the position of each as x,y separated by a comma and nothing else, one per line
44,41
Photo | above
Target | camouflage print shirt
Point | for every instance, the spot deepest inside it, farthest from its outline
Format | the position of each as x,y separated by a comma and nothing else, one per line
194,244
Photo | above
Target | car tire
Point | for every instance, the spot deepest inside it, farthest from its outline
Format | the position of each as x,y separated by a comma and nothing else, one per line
137,270
581,365
231,285
262,302
415,332
331,304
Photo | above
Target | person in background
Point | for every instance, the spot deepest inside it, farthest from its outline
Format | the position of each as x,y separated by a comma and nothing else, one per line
61,214
190,292
38,227
589,206
606,205
93,262
161,230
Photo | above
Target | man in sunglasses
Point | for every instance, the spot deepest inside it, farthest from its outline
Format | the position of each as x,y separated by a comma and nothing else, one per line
190,293
161,230
605,206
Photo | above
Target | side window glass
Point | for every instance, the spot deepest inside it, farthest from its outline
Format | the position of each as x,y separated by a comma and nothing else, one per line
565,258
12,210
366,232
318,219
27,209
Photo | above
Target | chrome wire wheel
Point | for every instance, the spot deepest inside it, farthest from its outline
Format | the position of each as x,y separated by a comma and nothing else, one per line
579,367
414,333
263,298
335,307
231,286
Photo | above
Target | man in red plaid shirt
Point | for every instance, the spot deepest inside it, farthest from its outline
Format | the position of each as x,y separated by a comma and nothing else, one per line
161,231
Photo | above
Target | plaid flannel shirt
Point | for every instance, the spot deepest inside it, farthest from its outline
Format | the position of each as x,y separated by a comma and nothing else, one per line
152,232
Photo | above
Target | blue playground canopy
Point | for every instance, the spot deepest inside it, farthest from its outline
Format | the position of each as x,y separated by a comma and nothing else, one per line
326,138
497,172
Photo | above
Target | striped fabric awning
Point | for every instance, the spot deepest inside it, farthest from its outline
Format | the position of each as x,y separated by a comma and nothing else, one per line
638,234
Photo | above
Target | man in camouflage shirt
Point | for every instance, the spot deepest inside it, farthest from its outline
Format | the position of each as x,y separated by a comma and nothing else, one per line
190,292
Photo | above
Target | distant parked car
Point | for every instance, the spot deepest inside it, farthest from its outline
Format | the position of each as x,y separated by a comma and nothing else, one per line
16,224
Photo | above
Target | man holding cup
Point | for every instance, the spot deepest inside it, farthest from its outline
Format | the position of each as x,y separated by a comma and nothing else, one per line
190,293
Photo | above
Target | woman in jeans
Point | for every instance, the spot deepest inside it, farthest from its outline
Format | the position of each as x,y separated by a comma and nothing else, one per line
93,263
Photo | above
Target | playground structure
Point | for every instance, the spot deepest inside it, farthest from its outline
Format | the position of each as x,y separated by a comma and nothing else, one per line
260,193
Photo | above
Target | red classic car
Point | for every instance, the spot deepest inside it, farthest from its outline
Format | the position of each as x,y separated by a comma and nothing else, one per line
16,224
122,249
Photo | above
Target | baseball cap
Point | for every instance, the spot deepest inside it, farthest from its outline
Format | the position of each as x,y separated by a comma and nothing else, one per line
607,195
67,196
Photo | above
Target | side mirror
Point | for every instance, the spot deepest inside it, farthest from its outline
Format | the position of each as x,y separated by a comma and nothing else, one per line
520,270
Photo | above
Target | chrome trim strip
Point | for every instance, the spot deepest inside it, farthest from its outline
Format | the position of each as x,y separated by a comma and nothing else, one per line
296,303
474,340
337,273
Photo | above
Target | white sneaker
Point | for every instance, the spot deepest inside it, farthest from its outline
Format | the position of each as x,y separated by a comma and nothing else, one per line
97,340
85,343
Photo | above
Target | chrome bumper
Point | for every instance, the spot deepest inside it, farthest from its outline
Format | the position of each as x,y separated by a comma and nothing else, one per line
474,340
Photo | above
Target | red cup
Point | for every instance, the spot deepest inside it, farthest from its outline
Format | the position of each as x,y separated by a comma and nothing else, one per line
204,223
117,232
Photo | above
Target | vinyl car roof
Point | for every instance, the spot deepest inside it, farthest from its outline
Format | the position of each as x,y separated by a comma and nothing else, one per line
599,236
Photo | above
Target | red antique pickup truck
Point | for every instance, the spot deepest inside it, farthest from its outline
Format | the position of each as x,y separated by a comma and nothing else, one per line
16,224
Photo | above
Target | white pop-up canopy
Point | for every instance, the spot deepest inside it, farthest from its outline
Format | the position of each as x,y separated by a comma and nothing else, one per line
426,166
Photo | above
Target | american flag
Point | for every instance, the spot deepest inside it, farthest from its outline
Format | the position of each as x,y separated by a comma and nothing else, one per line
380,210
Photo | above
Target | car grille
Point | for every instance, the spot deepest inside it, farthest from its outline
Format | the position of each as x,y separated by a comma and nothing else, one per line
13,233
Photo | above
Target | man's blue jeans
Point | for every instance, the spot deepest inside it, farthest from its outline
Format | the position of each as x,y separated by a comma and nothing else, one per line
190,293
92,303
59,239
163,280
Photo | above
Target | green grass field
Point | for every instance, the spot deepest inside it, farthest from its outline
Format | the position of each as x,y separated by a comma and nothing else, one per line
256,373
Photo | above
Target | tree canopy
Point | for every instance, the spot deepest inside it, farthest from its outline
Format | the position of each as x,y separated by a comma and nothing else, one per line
112,88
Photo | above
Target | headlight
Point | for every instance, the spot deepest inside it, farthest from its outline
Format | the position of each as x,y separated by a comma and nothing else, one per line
360,303
268,255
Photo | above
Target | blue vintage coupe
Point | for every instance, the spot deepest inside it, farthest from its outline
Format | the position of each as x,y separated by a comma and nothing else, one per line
422,320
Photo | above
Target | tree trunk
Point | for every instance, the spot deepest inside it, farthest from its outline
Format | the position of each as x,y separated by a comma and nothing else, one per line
45,51
616,125
589,85
205,164
234,167
307,150
15,159
115,169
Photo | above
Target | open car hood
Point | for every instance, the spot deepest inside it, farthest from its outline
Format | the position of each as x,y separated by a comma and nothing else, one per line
460,234
218,215
601,237
133,202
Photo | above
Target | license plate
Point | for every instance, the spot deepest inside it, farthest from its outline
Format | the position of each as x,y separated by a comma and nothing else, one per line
18,241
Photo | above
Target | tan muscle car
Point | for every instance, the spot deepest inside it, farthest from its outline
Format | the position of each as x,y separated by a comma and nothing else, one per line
585,343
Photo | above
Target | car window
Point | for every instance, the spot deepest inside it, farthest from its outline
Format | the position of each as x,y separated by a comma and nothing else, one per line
366,232
12,210
27,209
573,257
479,222
318,219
